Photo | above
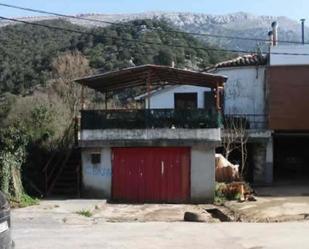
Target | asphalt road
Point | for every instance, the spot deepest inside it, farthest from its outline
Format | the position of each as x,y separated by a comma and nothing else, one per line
48,232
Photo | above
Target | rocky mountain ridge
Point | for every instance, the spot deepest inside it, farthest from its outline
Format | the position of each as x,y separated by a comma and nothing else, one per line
238,24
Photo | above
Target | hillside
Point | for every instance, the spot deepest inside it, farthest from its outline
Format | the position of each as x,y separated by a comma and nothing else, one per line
237,24
28,51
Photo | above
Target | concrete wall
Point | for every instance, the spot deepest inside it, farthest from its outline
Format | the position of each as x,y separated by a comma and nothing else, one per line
269,175
299,57
96,178
202,174
244,91
155,137
263,162
165,97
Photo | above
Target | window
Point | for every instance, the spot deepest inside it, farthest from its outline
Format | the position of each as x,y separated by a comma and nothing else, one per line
185,100
95,158
210,102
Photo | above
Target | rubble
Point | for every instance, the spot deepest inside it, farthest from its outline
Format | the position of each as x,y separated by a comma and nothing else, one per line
226,171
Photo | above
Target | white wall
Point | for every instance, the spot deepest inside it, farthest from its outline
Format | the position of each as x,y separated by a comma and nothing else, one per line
165,98
244,91
281,59
97,178
202,174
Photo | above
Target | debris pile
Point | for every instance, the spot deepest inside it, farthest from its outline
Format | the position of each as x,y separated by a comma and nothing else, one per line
226,171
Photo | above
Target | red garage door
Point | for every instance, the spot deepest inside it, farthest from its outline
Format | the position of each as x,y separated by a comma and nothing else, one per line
151,174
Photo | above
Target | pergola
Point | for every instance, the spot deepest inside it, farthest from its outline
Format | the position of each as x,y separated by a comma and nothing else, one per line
152,76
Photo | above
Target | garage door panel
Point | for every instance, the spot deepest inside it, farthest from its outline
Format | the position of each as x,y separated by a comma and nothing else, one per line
151,174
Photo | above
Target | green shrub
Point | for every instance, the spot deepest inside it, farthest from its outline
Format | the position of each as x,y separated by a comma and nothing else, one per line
220,197
24,201
86,213
227,192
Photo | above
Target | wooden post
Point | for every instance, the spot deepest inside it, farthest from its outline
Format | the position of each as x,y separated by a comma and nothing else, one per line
82,99
218,107
147,113
105,99
148,85
76,130
218,98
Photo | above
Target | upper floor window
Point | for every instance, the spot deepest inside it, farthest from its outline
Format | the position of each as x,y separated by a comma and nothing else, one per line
185,100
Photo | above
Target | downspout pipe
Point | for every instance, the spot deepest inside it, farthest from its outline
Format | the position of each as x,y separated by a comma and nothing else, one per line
303,30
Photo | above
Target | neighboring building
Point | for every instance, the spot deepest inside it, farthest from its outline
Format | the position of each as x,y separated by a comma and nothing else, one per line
244,93
272,94
245,97
163,153
288,86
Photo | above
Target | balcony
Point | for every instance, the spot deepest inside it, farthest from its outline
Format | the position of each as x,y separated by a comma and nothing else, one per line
246,121
148,127
149,119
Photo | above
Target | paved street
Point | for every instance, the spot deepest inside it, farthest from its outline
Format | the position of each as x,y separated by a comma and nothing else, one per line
162,235
58,228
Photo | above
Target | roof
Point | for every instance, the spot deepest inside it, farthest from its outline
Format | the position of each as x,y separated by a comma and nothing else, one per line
155,74
242,61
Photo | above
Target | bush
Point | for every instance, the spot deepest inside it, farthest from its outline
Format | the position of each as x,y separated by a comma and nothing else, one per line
227,192
24,201
12,156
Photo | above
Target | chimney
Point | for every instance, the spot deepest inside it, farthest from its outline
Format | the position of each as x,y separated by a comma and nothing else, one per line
271,38
303,30
274,25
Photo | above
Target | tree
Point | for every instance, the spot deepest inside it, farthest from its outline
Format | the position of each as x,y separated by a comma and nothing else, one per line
235,137
66,68
164,57
12,156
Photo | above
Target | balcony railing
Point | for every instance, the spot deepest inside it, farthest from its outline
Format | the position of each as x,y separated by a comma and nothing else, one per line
149,118
248,121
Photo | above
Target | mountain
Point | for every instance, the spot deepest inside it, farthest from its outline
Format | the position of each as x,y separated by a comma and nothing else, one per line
237,24
28,52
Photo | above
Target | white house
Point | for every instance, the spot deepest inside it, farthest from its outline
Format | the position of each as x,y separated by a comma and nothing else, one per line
162,153
245,96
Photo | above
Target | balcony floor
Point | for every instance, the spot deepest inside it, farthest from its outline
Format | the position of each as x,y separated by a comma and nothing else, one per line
149,137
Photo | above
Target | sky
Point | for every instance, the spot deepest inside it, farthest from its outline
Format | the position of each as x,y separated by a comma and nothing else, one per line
297,10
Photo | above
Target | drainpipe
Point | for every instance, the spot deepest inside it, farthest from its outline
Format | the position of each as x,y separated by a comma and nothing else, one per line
271,38
303,30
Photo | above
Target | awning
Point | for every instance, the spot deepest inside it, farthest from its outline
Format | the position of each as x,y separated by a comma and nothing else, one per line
150,74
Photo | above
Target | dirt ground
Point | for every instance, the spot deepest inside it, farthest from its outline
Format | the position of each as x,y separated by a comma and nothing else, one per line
70,211
277,203
55,225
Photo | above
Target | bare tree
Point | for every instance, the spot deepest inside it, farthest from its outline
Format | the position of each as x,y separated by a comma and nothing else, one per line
235,137
66,68
229,137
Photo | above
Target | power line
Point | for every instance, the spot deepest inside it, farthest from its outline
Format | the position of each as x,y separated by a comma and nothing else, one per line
120,38
144,42
128,25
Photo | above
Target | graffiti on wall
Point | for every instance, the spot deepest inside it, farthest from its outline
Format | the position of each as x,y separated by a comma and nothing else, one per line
94,171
